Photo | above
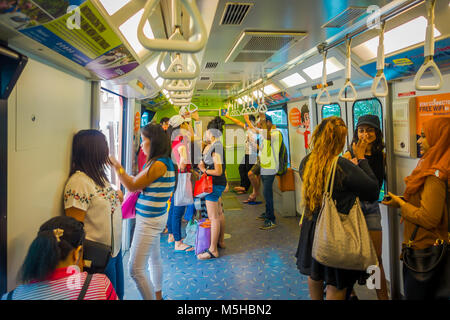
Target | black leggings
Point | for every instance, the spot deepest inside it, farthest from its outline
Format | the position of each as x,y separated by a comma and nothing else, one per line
244,168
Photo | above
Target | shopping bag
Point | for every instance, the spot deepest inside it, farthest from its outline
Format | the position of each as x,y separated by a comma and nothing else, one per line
183,193
203,239
129,205
203,186
191,233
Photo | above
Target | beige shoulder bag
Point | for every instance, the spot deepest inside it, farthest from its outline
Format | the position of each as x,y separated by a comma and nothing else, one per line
340,240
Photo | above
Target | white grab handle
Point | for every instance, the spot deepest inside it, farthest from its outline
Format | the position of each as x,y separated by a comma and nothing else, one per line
262,108
318,99
180,73
178,85
192,110
348,71
176,43
348,83
181,94
181,100
380,77
324,83
428,54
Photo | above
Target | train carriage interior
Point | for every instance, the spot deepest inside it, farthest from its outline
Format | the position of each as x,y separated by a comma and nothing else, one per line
119,65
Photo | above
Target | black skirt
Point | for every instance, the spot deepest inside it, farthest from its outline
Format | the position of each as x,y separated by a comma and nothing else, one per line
307,265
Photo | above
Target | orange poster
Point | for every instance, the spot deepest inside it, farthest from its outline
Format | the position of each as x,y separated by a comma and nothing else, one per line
436,105
295,117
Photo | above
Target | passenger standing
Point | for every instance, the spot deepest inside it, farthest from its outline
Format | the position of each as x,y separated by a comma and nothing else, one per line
180,138
251,153
213,164
350,182
368,129
424,208
53,266
90,198
269,161
157,182
164,122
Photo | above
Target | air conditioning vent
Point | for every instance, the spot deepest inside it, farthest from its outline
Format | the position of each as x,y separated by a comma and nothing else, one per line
235,13
258,46
349,14
211,65
204,78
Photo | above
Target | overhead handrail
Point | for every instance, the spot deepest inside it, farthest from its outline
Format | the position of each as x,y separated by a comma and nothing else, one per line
176,42
380,76
429,53
348,76
324,83
179,67
178,85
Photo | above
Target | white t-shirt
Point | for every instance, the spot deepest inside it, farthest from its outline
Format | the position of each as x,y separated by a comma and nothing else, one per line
102,206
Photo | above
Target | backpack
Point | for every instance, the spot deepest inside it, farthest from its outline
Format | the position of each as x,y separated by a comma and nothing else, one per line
282,158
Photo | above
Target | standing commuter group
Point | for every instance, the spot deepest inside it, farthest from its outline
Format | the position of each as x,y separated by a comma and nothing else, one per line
91,229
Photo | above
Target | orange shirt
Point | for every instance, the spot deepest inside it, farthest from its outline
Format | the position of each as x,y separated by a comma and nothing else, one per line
428,210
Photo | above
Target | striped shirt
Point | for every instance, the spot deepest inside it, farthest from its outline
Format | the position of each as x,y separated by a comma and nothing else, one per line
152,201
63,284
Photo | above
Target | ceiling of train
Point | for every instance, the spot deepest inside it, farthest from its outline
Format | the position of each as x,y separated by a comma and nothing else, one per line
247,40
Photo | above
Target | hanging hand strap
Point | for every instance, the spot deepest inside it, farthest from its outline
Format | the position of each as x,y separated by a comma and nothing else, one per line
181,72
348,71
324,83
176,42
380,76
429,53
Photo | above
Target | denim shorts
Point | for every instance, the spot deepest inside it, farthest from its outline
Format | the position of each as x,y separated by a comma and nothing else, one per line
216,193
372,214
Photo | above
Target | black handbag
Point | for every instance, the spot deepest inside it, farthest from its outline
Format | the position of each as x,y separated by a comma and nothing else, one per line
96,256
426,272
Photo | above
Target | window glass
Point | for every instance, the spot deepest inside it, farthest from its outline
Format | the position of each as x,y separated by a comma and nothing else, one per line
367,106
329,110
111,111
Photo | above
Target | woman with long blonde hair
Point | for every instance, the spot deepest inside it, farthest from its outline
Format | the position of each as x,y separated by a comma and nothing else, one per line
351,181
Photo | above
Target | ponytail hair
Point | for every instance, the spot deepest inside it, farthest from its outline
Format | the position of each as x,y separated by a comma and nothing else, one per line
55,240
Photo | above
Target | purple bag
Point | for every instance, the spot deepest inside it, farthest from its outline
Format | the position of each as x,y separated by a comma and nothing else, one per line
203,239
129,205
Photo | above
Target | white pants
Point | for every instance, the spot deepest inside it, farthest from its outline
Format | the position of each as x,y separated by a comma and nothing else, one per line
145,256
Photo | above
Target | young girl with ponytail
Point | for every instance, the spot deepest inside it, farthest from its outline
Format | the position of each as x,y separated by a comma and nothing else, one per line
53,266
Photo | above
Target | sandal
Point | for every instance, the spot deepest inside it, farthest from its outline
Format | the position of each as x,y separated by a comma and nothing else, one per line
250,199
211,256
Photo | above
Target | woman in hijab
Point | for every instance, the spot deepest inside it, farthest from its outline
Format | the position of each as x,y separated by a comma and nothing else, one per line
424,207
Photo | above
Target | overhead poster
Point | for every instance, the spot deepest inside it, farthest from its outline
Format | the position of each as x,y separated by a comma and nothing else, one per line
74,29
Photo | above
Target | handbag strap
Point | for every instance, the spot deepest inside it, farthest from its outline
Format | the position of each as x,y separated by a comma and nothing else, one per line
85,287
330,178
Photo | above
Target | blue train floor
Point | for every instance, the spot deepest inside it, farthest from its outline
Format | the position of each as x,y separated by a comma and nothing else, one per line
255,265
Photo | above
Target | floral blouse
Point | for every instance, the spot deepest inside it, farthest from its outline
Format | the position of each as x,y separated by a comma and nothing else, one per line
103,220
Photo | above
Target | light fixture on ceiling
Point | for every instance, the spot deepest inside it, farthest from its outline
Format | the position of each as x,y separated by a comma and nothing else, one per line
293,80
271,89
403,36
315,71
112,6
159,81
129,31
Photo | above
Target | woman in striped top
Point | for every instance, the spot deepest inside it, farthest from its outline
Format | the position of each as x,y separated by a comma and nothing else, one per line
157,182
53,265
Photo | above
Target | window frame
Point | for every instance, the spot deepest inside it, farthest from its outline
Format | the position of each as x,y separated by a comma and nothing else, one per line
331,104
